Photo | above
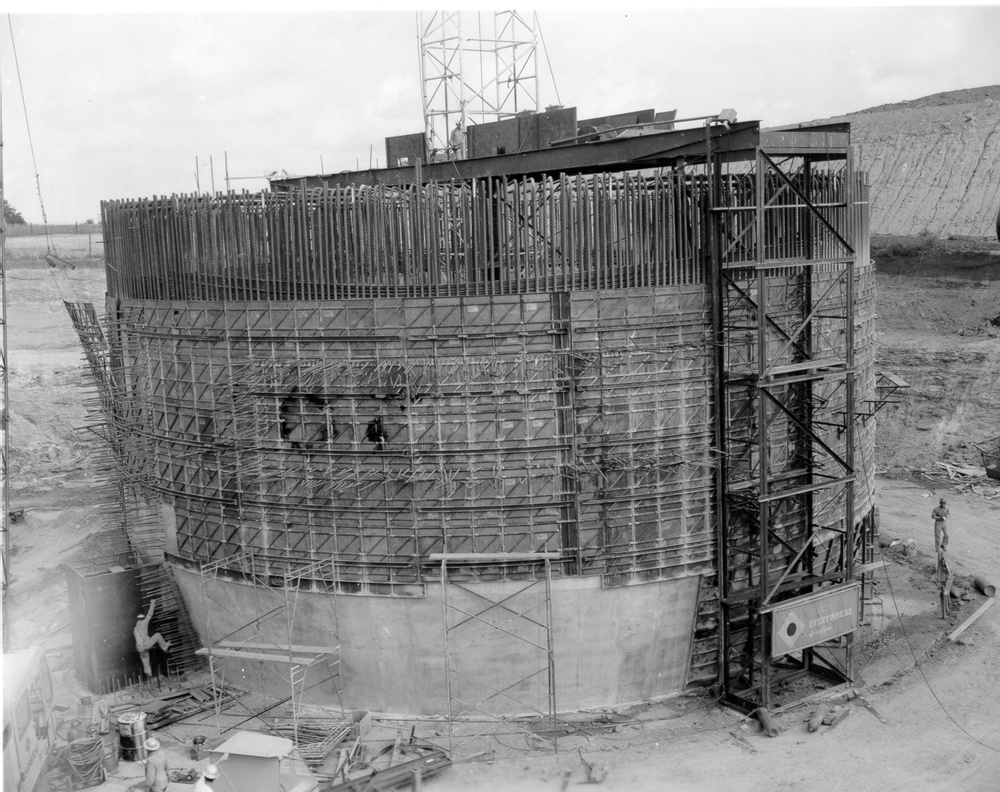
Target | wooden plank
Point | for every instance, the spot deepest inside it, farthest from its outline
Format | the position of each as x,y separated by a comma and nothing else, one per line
395,749
968,622
494,557
863,569
276,657
273,647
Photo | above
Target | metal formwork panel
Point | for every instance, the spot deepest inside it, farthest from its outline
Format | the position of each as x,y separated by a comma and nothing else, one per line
492,426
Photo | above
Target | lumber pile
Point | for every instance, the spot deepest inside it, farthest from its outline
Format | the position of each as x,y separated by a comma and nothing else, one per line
969,480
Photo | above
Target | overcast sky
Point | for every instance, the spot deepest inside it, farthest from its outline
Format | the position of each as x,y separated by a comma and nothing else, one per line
119,105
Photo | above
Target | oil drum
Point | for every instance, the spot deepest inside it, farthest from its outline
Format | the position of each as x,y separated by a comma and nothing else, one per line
131,736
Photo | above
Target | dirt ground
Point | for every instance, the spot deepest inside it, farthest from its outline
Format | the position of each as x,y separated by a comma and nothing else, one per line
940,700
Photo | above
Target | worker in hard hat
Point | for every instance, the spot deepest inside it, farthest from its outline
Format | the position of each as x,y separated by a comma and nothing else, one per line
157,766
204,784
143,641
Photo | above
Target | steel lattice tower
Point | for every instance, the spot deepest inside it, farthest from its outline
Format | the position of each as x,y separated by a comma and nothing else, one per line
471,75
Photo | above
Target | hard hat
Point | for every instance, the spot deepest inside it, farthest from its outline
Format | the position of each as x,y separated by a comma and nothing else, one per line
151,744
211,772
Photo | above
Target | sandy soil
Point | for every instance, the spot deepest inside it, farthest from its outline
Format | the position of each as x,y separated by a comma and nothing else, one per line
940,700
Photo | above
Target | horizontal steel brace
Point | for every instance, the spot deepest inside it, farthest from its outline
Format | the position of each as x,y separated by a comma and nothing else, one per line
754,594
771,264
618,153
777,496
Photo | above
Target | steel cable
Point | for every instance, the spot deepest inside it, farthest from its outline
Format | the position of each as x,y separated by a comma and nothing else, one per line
85,757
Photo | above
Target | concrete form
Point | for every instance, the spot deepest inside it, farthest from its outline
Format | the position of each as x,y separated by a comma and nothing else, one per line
367,371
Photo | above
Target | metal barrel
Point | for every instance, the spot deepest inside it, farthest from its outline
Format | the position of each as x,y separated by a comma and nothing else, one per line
131,736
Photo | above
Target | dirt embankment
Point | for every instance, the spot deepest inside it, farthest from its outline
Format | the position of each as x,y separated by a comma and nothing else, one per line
48,385
938,328
933,163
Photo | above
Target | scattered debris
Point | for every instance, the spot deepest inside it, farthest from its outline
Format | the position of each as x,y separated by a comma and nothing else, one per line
57,263
174,707
867,705
957,471
316,739
967,480
831,714
767,723
968,622
424,767
742,741
838,718
595,773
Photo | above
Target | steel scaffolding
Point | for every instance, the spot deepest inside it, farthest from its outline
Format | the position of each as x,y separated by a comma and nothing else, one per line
517,616
783,231
273,638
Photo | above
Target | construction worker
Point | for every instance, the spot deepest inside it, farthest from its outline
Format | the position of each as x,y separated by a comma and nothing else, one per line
940,516
944,575
143,641
456,143
157,766
204,784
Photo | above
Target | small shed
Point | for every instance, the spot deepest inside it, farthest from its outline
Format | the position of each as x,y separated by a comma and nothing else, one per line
254,762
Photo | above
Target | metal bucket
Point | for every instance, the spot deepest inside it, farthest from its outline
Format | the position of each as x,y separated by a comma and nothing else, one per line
131,736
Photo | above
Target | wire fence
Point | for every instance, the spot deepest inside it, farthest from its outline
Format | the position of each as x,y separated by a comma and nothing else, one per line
15,230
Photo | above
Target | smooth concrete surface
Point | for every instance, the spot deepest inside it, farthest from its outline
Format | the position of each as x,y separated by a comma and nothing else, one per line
610,646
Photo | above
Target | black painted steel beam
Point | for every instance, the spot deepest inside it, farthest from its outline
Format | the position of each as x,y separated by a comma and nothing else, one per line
622,153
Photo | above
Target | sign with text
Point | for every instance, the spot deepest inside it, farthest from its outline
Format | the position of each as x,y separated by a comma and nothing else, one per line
805,621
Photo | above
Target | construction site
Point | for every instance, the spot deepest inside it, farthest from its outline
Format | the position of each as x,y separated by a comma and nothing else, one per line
552,416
